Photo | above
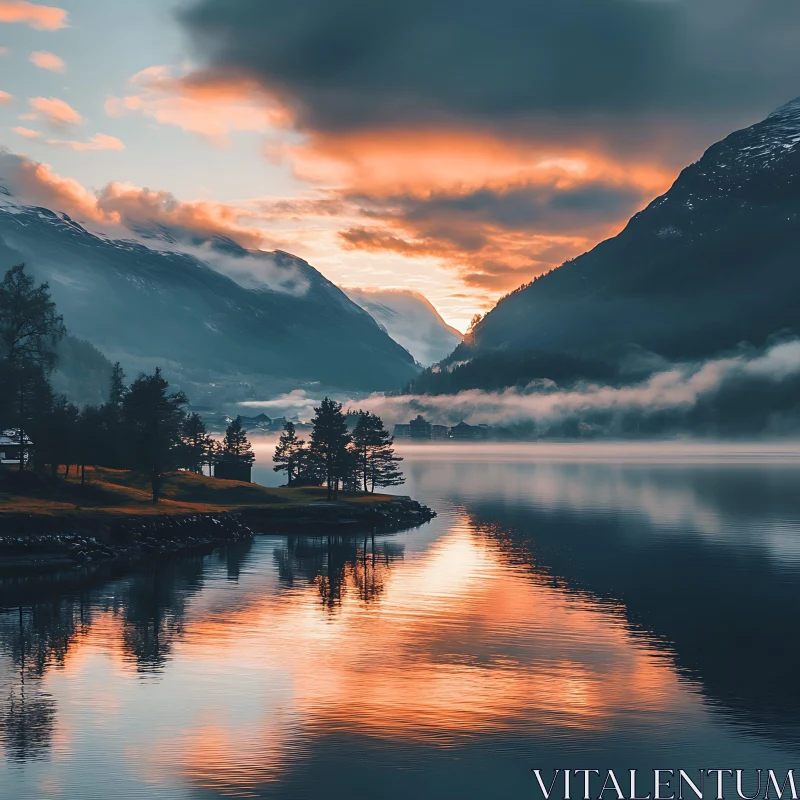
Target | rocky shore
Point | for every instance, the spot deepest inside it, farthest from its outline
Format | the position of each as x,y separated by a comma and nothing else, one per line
43,543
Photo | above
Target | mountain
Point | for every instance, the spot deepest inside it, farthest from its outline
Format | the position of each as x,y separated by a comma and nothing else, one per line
224,322
711,264
83,373
411,320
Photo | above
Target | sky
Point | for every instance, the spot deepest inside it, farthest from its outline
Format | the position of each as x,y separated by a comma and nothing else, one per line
458,148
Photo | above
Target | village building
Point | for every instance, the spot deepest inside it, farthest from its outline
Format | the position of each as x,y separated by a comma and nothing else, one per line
420,428
10,448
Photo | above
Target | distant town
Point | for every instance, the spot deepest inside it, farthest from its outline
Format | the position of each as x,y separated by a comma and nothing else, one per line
416,429
420,428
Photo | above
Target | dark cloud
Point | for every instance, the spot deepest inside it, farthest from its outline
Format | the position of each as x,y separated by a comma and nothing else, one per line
379,63
531,207
493,236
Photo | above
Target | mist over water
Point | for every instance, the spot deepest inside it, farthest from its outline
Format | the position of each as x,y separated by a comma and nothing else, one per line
573,604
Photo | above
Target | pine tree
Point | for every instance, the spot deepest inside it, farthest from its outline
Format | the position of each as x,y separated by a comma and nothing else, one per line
195,443
377,462
329,441
153,420
236,446
114,452
117,390
30,330
289,453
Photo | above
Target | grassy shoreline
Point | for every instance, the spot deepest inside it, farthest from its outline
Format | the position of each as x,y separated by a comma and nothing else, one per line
56,524
122,493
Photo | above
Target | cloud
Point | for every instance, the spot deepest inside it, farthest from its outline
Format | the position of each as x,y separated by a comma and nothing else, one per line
679,390
376,65
143,210
3,51
213,232
431,121
499,236
100,141
53,111
44,18
5,97
213,107
27,133
36,184
48,61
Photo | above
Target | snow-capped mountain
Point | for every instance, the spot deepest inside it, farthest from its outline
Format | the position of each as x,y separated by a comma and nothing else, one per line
411,320
712,263
245,322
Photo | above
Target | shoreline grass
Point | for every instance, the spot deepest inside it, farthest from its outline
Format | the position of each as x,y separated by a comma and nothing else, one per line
119,493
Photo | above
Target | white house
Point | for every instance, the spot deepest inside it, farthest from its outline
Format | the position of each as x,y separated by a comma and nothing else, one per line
9,447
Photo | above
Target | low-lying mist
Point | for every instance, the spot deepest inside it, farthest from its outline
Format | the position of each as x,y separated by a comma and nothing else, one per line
751,392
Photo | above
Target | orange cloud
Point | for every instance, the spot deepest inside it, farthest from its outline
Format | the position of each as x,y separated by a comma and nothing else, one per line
53,111
135,206
498,212
28,133
5,97
212,108
48,61
43,18
100,141
36,183
126,205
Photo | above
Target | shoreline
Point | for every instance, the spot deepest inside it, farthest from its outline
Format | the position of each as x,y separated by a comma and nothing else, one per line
36,543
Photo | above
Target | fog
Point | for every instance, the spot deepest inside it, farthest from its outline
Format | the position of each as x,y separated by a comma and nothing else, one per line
746,393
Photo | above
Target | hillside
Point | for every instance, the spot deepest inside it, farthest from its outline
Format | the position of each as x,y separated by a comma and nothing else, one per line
411,320
711,264
242,322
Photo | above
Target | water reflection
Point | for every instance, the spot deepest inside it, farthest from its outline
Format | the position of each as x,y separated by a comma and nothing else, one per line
553,611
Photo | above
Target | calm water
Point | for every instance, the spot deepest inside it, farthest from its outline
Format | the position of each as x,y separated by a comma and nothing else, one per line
579,606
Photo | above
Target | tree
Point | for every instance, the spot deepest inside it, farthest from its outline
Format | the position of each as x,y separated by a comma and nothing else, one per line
92,438
30,329
117,389
195,443
236,446
377,462
289,453
153,419
58,434
329,441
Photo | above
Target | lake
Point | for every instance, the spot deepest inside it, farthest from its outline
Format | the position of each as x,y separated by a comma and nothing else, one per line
572,606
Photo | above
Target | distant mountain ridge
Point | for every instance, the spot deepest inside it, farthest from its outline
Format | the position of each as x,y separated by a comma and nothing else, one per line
712,263
411,320
270,322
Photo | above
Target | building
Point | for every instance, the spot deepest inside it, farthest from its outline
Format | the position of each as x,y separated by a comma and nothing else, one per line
402,431
9,448
440,432
420,428
233,471
464,431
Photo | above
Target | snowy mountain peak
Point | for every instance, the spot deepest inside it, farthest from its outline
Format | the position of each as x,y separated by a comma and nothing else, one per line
789,111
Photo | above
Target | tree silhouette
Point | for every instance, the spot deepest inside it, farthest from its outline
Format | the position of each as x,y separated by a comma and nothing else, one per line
329,441
289,453
377,462
236,446
153,419
30,329
195,443
117,389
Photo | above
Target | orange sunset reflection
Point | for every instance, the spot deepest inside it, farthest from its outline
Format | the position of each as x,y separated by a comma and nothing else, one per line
443,646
